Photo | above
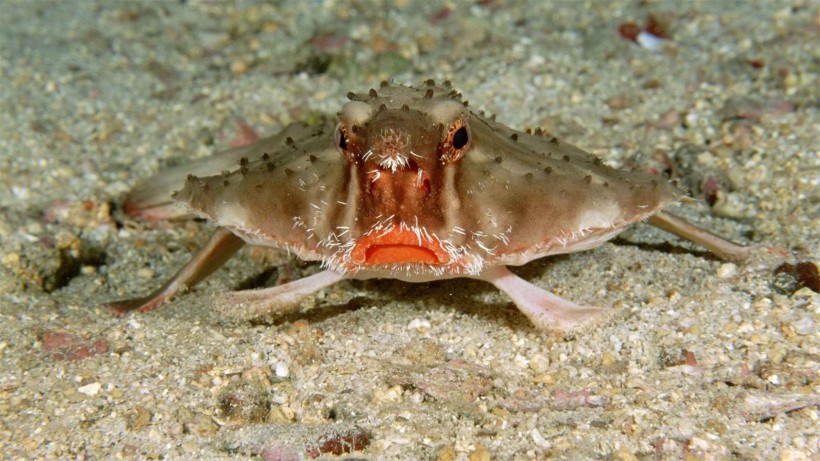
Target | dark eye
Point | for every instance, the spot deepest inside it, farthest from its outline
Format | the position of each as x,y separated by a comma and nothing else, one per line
460,138
341,139
346,145
456,142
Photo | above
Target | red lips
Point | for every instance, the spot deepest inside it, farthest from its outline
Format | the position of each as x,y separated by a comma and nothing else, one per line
398,246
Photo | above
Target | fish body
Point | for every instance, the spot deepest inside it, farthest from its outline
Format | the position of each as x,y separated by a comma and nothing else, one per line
407,183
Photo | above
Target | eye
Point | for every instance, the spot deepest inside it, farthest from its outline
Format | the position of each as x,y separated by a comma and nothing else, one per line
460,138
457,141
346,144
341,139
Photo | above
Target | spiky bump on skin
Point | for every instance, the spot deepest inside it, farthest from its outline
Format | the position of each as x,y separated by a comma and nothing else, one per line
410,184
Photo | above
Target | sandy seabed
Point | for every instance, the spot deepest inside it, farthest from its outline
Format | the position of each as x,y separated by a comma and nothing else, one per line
700,359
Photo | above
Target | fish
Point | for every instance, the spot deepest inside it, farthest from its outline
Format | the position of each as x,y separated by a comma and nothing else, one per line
408,183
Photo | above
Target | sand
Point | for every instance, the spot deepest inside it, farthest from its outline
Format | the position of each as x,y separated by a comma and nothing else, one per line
701,359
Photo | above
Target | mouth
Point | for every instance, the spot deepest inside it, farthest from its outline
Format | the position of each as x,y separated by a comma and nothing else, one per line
399,246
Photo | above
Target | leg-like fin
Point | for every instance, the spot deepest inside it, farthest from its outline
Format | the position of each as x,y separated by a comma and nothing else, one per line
544,309
222,245
251,304
723,248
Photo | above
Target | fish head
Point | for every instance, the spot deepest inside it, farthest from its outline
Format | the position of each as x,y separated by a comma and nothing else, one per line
400,148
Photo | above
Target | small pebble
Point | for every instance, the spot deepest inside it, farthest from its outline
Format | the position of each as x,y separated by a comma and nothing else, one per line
282,370
90,389
479,454
416,324
539,439
190,447
239,67
650,42
805,326
726,270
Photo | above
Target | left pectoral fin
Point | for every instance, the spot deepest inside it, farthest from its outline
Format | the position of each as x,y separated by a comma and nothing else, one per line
222,245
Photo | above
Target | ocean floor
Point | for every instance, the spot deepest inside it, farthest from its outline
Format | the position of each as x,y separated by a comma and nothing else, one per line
700,359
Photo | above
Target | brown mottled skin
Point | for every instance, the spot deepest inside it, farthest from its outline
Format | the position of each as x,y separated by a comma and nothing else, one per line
409,184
